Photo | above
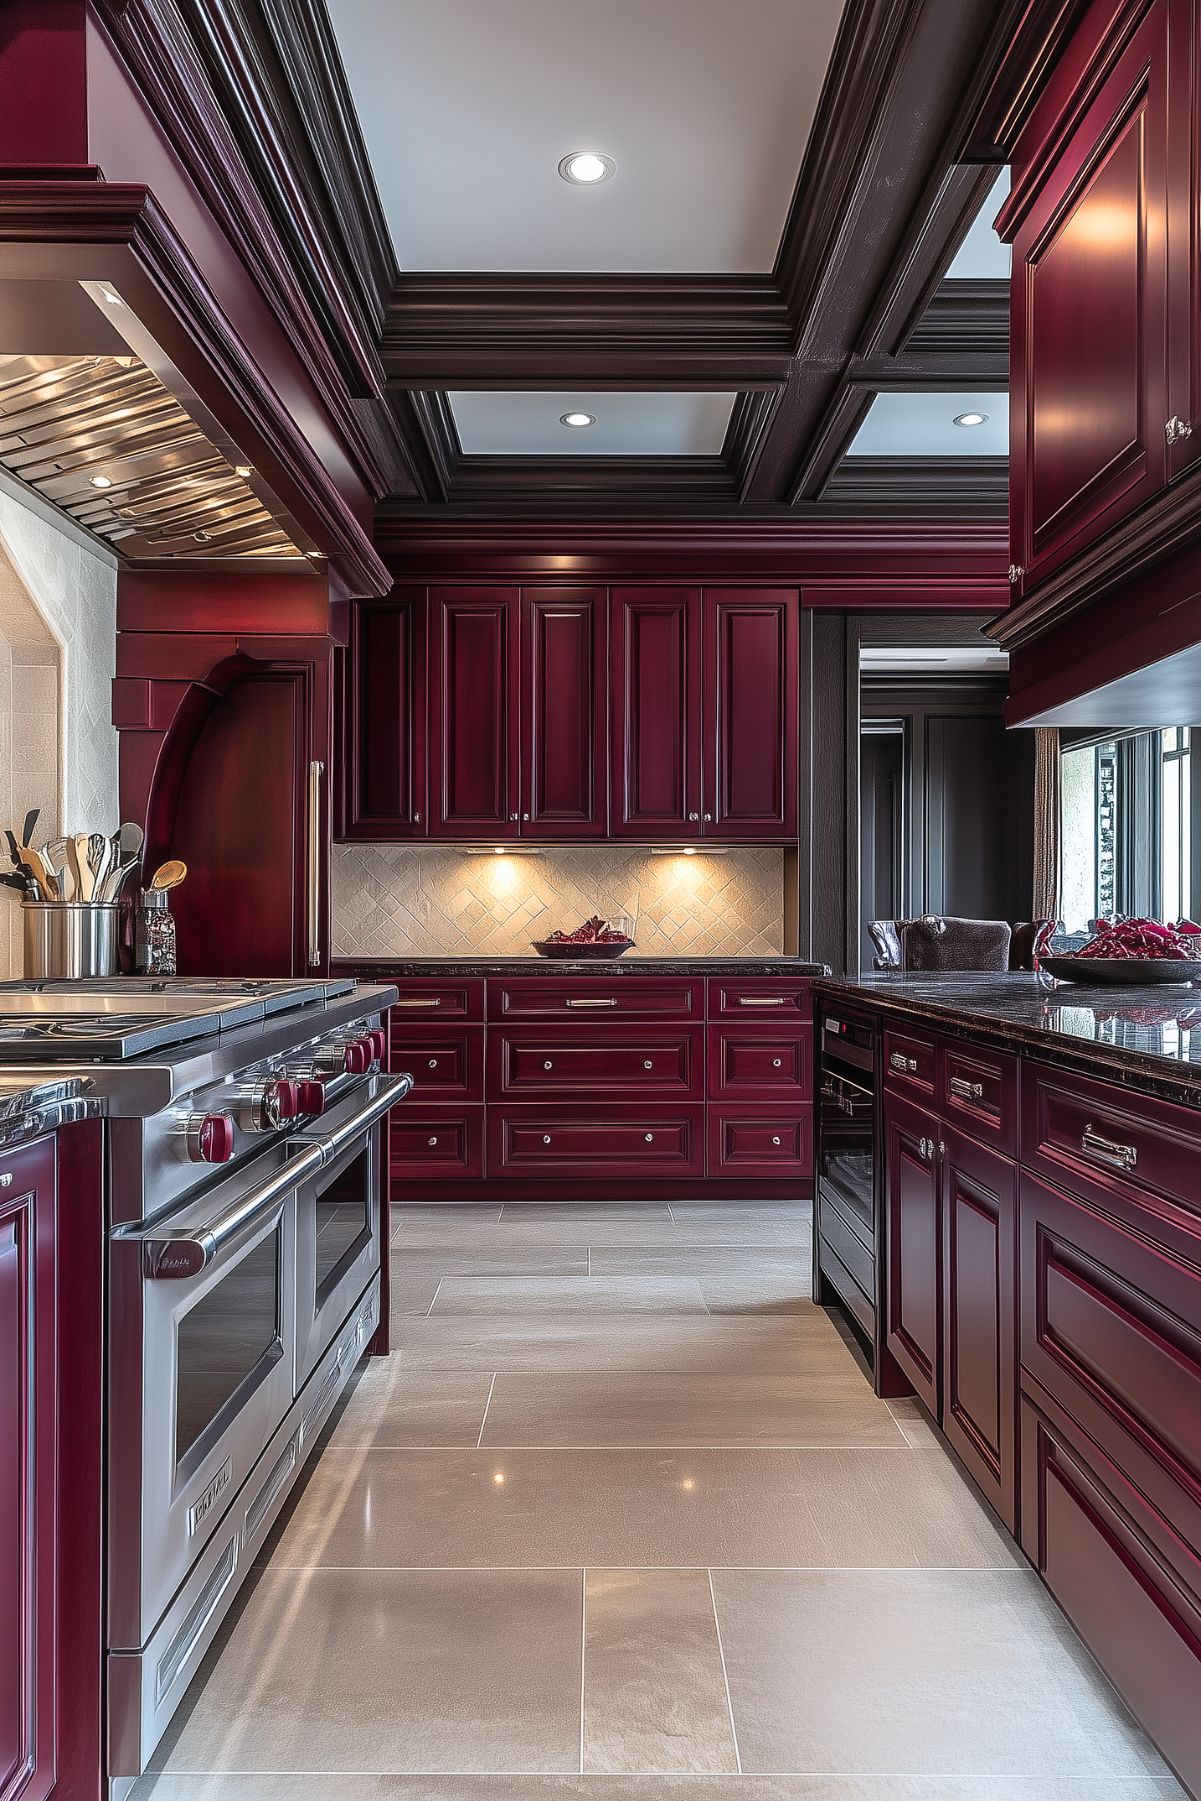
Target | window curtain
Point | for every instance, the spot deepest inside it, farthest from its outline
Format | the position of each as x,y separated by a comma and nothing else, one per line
1046,822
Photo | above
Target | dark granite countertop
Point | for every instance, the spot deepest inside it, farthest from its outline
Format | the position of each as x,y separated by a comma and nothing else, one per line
549,966
1149,1038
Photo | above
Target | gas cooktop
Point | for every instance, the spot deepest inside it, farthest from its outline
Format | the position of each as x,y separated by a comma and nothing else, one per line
129,1016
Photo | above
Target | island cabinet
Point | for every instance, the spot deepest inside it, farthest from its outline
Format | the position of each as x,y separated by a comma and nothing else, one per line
492,713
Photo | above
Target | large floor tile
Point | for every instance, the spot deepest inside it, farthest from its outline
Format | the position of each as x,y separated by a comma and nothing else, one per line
417,1270
936,1671
829,1405
626,1509
658,1788
395,1407
654,1688
441,1223
704,1262
755,1295
393,1670
568,1294
724,1344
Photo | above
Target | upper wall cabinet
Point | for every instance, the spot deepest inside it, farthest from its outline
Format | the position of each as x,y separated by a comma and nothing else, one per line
1106,345
489,714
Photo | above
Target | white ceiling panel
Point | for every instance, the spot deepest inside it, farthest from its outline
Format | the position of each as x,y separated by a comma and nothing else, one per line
982,256
921,425
508,423
467,107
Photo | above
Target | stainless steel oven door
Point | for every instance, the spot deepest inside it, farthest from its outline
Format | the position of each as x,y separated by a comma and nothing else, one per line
338,1236
201,1372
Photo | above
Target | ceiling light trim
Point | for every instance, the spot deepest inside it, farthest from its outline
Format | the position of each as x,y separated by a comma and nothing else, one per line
598,168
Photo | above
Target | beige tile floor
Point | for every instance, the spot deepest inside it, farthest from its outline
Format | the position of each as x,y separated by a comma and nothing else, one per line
621,1518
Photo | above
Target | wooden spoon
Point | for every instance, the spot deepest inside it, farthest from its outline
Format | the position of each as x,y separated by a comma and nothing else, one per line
168,875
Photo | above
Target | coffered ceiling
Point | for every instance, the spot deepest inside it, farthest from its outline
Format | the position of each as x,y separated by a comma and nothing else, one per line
501,422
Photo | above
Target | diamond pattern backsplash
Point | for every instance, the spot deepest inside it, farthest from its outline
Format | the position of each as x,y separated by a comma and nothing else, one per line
392,900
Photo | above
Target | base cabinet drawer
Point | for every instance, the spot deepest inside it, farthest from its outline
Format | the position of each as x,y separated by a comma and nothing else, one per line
1085,1530
760,997
909,1061
437,998
761,1141
578,1062
557,1141
595,997
427,1144
978,1091
757,1063
446,1064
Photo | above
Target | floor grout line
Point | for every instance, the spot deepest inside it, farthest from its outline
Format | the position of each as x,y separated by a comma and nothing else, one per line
583,1653
750,1569
724,1673
479,1441
437,1292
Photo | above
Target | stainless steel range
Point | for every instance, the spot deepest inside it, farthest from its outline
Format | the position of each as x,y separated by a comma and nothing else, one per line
244,1253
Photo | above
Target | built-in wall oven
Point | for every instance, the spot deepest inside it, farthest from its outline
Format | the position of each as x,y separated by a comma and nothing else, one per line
848,1229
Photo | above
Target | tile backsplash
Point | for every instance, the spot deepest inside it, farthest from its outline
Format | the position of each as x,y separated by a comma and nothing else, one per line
392,900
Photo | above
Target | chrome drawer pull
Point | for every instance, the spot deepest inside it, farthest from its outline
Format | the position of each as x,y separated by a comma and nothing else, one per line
1107,1150
775,1062
433,1062
908,1065
967,1091
431,1142
421,1000
610,1002
763,1000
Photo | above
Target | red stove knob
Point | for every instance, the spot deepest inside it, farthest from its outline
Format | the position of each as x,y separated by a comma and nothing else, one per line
287,1099
357,1057
379,1044
210,1137
310,1097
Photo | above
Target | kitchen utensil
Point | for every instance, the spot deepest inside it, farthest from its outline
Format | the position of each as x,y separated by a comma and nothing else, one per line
130,838
168,875
13,849
116,879
563,950
1113,972
100,853
81,874
69,939
40,870
31,820
12,878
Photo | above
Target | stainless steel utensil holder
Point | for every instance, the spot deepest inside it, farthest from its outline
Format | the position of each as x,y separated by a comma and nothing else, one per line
69,938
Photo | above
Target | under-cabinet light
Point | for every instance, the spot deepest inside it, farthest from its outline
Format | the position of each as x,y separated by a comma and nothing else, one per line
100,481
691,850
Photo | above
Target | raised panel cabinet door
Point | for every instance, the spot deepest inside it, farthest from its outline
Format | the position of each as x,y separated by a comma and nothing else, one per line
914,1276
751,691
28,1503
1090,323
565,723
655,704
384,733
979,1315
474,712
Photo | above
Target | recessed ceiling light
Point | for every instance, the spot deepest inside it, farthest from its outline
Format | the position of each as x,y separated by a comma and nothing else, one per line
101,481
585,168
971,419
577,419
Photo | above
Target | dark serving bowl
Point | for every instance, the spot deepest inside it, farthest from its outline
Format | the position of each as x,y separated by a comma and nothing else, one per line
583,953
1117,972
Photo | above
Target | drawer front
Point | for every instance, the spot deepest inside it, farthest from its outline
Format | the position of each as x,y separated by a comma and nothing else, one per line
978,1091
1111,1329
759,997
1132,1155
446,1064
590,1062
909,1061
761,1141
594,997
582,1142
1092,1541
759,1063
433,998
847,1244
426,1144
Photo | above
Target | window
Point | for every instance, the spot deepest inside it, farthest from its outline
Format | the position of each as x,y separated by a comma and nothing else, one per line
1128,838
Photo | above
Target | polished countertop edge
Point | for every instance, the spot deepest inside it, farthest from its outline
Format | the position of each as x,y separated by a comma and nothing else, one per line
31,1106
569,966
1010,1010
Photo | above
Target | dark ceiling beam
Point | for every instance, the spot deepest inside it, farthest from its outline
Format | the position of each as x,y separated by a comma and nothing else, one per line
973,487
964,317
941,371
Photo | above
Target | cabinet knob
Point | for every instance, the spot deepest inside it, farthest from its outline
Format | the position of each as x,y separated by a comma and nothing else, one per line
431,1142
942,1149
646,1063
694,816
433,1062
512,815
1176,430
775,1141
708,816
417,819
546,1138
650,1137
775,1062
547,1064
1016,572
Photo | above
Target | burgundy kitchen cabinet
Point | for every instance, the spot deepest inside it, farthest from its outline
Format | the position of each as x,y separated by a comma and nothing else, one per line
474,707
751,691
913,1281
655,701
564,718
384,719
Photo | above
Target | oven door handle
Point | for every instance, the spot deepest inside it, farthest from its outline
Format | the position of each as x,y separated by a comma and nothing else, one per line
175,1255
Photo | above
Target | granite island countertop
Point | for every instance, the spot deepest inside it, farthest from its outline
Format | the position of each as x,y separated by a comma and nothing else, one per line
1148,1037
552,966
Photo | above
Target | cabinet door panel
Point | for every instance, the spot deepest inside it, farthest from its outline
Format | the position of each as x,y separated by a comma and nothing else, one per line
655,672
385,735
914,1281
751,699
474,711
979,1246
1090,318
564,726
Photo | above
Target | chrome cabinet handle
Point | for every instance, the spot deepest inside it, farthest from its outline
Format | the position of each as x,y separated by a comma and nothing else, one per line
420,1000
316,771
611,1002
942,1149
708,816
908,1065
967,1091
1016,572
1176,430
694,816
763,1000
1107,1150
